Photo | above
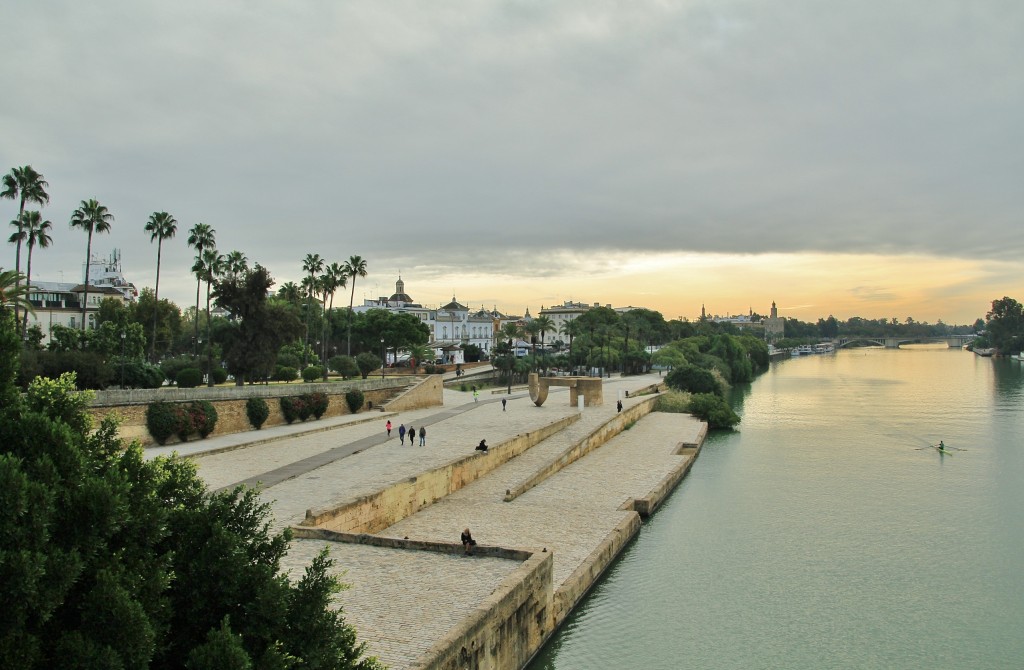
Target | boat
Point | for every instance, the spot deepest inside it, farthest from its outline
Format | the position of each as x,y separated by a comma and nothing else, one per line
984,351
1018,356
824,348
803,350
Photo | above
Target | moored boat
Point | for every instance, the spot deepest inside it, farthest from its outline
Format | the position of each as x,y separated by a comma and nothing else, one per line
984,351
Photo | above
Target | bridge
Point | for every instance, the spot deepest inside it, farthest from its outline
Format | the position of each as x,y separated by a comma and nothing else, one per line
952,341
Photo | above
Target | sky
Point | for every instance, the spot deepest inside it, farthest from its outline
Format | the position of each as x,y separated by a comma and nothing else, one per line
838,158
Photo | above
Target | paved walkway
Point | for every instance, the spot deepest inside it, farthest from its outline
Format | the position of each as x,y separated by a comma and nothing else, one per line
401,602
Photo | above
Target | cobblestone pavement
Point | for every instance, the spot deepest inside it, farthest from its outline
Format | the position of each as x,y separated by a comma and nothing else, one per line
402,601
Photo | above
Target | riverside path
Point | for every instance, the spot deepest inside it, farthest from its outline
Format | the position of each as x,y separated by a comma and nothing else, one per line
401,602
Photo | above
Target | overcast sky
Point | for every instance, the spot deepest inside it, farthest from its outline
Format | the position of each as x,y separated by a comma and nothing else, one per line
849,158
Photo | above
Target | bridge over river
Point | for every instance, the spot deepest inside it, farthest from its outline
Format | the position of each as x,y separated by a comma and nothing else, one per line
952,341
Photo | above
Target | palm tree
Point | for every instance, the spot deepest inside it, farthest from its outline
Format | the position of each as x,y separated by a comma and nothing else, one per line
543,324
314,265
355,266
25,185
12,293
161,226
290,292
200,237
235,263
92,217
570,330
37,233
213,266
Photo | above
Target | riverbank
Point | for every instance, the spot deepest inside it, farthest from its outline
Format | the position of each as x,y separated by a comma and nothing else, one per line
413,597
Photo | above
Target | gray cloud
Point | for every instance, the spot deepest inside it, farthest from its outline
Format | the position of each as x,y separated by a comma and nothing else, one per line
459,134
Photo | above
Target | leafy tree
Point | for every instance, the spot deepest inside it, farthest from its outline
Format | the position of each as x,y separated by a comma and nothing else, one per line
92,217
367,363
252,341
693,379
24,185
714,410
161,226
828,328
114,561
167,317
344,366
1005,325
12,294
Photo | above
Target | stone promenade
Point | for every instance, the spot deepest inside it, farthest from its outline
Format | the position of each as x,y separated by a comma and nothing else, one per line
402,601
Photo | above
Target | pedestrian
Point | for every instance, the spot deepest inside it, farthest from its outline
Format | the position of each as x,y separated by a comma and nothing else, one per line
468,542
503,401
423,436
482,446
476,396
388,426
401,433
618,406
412,435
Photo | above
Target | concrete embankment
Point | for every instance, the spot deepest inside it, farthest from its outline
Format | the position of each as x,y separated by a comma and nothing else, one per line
413,597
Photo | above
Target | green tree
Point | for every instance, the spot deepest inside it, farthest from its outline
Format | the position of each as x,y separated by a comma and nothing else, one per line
24,185
367,363
200,238
355,266
213,267
260,326
1005,325
92,217
314,265
161,226
167,317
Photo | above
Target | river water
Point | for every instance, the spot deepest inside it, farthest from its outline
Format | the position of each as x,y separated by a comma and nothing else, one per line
821,535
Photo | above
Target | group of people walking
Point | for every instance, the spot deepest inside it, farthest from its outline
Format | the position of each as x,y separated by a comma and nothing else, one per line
410,431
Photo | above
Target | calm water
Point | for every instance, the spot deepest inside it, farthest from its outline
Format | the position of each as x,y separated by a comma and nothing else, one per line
819,536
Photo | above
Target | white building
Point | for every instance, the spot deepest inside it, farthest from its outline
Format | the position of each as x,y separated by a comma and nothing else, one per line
60,303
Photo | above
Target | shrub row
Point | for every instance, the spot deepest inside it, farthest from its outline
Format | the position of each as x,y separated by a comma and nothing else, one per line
164,419
304,406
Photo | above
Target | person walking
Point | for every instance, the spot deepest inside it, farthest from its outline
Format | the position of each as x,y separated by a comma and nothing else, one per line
401,433
618,406
412,436
388,426
503,401
423,436
476,396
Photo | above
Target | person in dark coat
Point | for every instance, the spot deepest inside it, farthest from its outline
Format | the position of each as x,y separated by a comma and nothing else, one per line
482,446
468,542
423,436
401,433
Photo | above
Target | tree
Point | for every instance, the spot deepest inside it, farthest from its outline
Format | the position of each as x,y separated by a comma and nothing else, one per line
313,264
92,217
543,324
235,263
367,363
12,294
37,233
161,226
213,266
24,185
167,317
355,266
114,561
693,379
200,238
1005,325
260,328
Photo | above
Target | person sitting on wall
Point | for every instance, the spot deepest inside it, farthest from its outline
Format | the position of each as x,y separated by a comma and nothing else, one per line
468,542
482,446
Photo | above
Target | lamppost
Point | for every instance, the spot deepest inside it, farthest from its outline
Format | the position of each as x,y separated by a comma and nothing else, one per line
123,337
383,359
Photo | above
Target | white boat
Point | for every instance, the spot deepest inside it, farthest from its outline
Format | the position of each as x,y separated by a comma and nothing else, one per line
824,348
1018,357
986,351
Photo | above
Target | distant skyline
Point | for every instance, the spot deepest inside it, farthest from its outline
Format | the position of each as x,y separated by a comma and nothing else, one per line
852,159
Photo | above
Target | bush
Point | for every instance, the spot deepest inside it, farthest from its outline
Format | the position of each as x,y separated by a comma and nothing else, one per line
319,403
142,375
91,371
716,411
312,373
354,399
162,421
693,379
344,366
257,410
430,369
284,373
677,402
189,378
204,417
304,406
172,366
289,410
219,374
367,363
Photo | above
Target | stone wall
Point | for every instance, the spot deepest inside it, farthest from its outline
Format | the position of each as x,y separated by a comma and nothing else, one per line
577,451
505,630
230,401
376,511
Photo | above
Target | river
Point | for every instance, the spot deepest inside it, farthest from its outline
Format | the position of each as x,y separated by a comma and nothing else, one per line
820,534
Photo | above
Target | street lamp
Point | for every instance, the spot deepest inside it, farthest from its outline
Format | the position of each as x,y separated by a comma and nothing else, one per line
123,337
383,359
